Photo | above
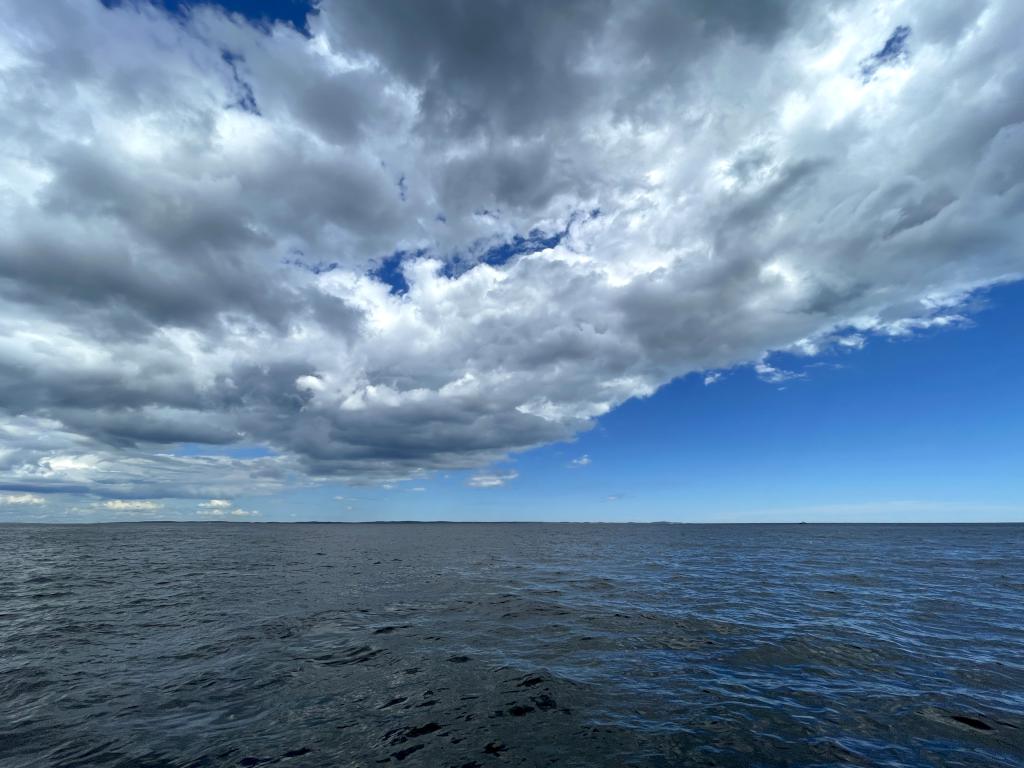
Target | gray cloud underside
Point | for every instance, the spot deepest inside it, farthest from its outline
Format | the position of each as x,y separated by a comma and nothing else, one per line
162,180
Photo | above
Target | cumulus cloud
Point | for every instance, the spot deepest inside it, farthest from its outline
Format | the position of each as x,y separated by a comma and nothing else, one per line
492,480
422,238
582,461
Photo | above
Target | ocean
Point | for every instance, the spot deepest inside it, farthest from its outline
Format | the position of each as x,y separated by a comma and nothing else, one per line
478,645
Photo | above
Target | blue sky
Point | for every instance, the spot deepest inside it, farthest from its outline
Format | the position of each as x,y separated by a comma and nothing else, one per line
259,11
518,261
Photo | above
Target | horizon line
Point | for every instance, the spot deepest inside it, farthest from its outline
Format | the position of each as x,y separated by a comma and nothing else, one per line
514,522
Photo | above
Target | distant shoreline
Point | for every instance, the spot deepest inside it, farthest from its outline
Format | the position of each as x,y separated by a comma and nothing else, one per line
501,522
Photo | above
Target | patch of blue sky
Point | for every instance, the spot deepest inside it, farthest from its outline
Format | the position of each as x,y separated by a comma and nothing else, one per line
246,100
258,12
535,240
389,269
894,50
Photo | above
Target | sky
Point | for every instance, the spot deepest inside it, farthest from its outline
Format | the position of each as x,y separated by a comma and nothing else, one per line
616,261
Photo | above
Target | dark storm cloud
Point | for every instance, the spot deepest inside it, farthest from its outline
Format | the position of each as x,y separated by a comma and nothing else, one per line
508,67
518,67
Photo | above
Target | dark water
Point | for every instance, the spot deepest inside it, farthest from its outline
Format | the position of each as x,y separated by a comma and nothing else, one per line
494,645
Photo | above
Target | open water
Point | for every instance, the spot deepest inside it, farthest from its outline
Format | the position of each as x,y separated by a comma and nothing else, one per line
500,645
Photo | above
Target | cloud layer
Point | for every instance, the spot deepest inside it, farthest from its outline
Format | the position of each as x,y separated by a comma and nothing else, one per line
422,238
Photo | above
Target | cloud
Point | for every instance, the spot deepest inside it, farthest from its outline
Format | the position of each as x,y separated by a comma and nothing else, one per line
215,504
773,375
21,499
131,505
492,480
421,240
220,512
582,461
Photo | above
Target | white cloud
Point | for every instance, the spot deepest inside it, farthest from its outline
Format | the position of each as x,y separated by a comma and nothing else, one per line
774,375
582,461
131,505
688,188
22,499
492,480
220,512
216,504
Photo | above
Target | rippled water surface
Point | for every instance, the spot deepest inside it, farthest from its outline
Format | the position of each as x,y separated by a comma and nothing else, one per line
493,645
